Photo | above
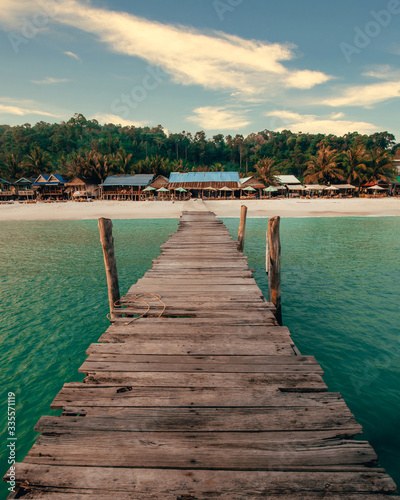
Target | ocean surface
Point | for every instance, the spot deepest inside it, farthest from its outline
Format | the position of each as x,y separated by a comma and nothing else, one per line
340,293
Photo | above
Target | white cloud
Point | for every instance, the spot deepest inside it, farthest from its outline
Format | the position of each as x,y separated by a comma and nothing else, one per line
313,124
336,116
13,109
212,59
50,81
74,56
306,79
217,118
104,118
381,72
366,95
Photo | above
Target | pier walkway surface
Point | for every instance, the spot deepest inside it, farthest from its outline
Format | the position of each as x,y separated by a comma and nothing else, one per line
195,392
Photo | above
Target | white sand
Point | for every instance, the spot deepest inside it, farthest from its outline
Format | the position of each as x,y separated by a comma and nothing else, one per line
359,207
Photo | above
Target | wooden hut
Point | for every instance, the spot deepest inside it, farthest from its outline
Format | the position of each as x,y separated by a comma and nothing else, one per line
24,189
81,188
7,190
247,186
160,182
50,187
125,187
290,185
201,183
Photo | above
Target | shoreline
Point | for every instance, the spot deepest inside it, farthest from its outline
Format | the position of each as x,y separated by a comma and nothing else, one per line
292,207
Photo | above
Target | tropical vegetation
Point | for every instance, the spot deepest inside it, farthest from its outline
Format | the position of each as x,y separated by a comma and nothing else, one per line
81,147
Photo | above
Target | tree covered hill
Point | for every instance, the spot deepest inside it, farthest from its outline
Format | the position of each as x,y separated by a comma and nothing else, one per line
85,148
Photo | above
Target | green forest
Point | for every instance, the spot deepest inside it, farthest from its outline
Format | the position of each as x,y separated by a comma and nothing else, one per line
81,147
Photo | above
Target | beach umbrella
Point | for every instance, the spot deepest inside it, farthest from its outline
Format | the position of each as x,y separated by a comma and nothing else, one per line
149,188
210,188
225,188
162,190
377,188
181,190
331,188
249,188
271,189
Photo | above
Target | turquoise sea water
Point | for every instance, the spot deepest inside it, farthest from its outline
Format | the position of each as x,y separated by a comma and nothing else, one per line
340,285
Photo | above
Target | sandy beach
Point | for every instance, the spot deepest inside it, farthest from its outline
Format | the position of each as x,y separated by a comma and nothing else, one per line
352,207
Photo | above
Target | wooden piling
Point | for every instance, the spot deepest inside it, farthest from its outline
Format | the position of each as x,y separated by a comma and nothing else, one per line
107,242
242,228
274,266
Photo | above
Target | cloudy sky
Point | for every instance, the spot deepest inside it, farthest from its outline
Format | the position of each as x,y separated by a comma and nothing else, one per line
230,66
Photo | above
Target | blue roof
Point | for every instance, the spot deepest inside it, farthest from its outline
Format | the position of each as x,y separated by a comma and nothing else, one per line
60,178
204,177
128,180
50,182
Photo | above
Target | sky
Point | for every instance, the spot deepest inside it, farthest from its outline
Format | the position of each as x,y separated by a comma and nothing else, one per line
222,66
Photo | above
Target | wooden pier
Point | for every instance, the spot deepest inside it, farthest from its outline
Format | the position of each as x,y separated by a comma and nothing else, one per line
195,392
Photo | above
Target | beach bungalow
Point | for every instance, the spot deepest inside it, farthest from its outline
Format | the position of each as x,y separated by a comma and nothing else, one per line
290,185
81,188
7,190
24,188
125,187
50,187
206,184
344,189
250,187
160,182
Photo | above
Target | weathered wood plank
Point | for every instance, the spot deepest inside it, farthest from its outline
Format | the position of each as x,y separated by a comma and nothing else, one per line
220,419
185,344
156,397
230,451
168,484
269,382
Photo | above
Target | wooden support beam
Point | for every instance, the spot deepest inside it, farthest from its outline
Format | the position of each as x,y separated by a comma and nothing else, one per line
274,266
107,242
242,228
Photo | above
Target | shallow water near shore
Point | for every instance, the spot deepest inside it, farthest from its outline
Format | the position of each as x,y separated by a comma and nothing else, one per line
340,285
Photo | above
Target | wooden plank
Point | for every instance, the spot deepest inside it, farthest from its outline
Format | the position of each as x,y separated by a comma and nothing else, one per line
150,396
58,494
176,344
204,344
231,451
172,483
186,326
207,360
240,419
206,364
270,382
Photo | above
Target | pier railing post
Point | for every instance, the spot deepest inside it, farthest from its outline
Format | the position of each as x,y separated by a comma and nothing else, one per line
274,266
242,228
107,242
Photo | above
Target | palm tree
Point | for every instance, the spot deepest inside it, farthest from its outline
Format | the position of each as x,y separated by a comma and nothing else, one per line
380,166
355,163
323,167
38,162
267,171
13,167
122,162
